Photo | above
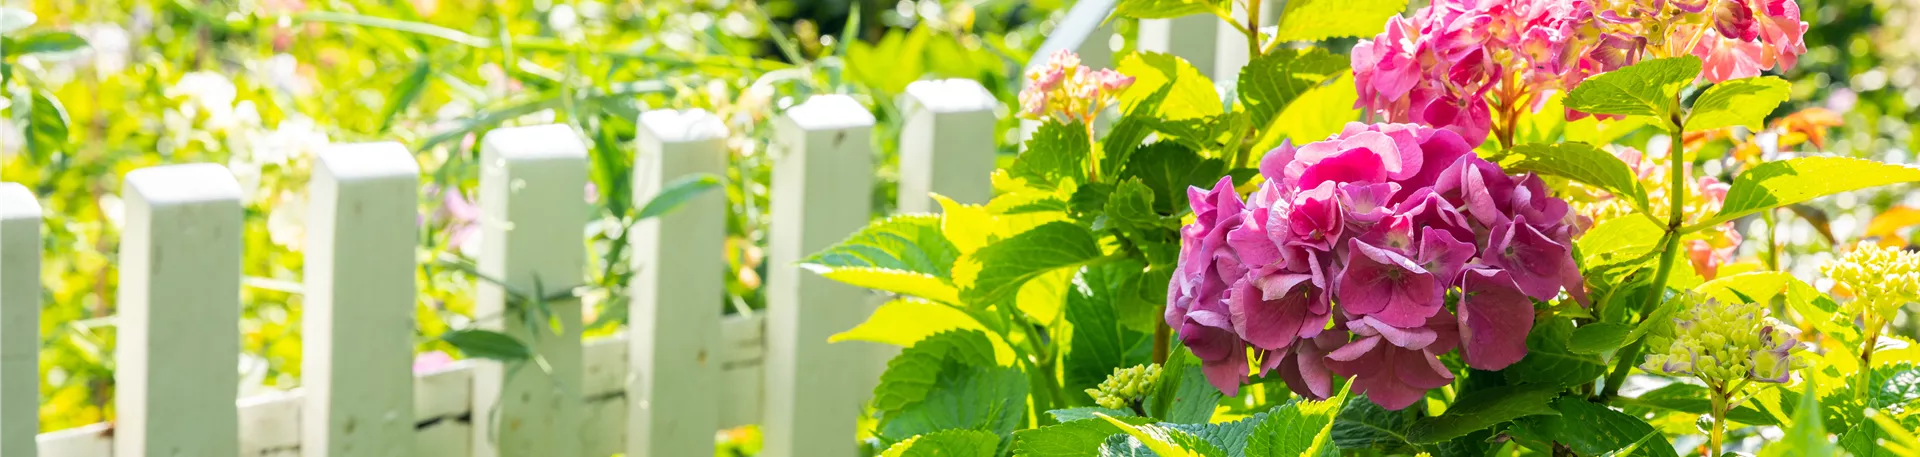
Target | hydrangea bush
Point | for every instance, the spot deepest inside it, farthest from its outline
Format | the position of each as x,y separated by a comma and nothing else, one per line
1493,227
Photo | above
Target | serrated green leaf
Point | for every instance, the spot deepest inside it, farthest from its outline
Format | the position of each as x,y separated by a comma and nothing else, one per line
1298,428
1273,80
1164,441
1618,240
1587,428
1363,424
1806,436
1169,168
1130,132
488,344
1598,337
912,373
1874,438
1485,408
912,242
1315,20
896,281
1648,88
1131,208
1079,436
1313,116
1057,152
1549,362
1576,161
1230,437
1099,344
904,322
1190,95
1693,400
1744,102
1162,9
947,443
1043,297
46,42
1785,182
1891,387
1078,413
1007,264
960,393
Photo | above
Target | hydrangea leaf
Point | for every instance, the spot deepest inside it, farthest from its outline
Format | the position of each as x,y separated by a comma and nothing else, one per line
896,281
1169,168
1648,88
1806,434
1099,343
1077,413
1298,428
911,243
1485,408
910,375
1183,394
1619,240
1163,441
954,393
1190,95
1128,134
1744,102
1057,152
1162,9
1598,337
1576,161
1007,264
1785,182
905,322
1316,114
1315,20
1130,207
1080,436
1363,424
1549,362
1231,438
1274,80
1692,400
1042,297
1587,428
947,443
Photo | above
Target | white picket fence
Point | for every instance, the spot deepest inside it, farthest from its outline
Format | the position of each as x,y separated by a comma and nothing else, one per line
679,373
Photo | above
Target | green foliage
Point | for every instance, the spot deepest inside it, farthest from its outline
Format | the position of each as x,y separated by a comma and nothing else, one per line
1587,428
1056,152
1806,435
1743,102
1298,428
1190,95
1162,441
488,344
1362,424
949,381
907,243
1315,20
1272,81
1099,343
946,443
1183,395
1160,9
1007,264
1549,361
1080,436
1648,88
1485,408
1599,337
1785,182
1576,161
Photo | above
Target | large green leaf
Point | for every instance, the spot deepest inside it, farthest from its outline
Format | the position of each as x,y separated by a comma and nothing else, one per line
906,321
1183,394
1169,168
960,395
1162,9
1619,240
46,42
1484,408
947,443
1230,437
1316,114
1163,441
1806,436
1648,88
1315,20
910,242
47,126
1588,428
1057,152
1298,428
1075,438
1549,361
1576,161
1130,207
1007,264
1099,344
1191,94
1598,337
1692,400
910,375
1893,387
1744,102
1363,424
1273,80
1785,182
1127,135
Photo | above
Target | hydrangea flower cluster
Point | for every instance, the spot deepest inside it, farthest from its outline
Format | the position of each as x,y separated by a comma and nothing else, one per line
1881,279
1065,88
1717,343
1387,221
1456,64
1126,386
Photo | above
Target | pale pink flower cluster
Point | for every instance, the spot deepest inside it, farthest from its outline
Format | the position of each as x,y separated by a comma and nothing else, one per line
1065,88
1741,38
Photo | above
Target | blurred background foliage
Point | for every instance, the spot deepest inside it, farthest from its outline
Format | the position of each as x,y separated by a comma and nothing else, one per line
95,88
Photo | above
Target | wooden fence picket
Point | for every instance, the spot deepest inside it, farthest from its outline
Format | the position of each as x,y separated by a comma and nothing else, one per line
19,320
533,206
673,387
822,189
179,314
946,143
358,325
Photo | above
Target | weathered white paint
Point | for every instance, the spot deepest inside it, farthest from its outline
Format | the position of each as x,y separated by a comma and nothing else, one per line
821,189
532,211
358,324
19,320
674,319
179,322
1216,49
443,404
946,143
1086,31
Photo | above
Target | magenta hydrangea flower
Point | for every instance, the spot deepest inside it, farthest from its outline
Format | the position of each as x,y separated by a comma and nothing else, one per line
1342,262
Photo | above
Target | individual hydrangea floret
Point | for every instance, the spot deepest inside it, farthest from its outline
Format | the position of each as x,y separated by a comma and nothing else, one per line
1126,386
1342,262
1723,344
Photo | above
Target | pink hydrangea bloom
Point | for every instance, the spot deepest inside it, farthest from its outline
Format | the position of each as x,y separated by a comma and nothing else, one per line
1339,265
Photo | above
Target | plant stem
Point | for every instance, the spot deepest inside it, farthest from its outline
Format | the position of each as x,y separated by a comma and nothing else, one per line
1717,434
1773,243
1161,335
1669,246
1253,30
1864,376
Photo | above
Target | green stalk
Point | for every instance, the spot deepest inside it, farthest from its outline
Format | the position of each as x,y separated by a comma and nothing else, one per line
1669,246
1717,435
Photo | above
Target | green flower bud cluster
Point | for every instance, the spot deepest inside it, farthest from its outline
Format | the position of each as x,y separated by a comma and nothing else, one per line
1880,278
1724,343
1126,386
